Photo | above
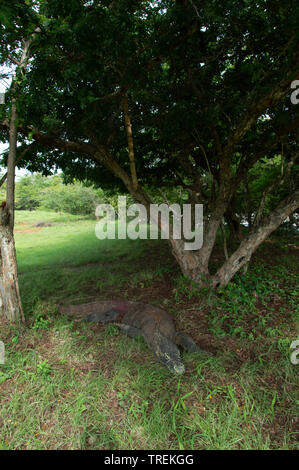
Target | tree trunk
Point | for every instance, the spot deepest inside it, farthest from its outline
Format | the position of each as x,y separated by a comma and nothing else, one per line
235,228
130,141
10,302
11,166
191,263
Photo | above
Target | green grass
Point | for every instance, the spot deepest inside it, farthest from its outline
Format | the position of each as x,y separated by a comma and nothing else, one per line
48,258
69,385
33,217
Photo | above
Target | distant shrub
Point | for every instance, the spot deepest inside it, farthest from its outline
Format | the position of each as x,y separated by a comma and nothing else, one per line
37,191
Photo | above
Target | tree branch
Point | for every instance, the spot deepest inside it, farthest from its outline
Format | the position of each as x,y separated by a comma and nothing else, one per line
129,133
52,141
272,98
15,61
247,247
285,174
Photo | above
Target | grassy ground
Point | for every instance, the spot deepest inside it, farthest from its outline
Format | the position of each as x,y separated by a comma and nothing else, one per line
68,385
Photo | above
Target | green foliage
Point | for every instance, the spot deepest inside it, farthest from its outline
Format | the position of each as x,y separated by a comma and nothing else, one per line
43,369
59,194
186,289
111,330
240,300
36,191
165,54
40,323
265,174
3,377
74,198
28,192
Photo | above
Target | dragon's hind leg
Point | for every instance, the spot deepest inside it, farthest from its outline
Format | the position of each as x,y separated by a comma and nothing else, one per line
186,342
129,330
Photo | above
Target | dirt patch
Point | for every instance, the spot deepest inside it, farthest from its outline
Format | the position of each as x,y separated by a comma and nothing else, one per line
34,228
42,224
28,230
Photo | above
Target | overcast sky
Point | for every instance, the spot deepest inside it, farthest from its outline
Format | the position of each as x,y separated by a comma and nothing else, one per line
19,173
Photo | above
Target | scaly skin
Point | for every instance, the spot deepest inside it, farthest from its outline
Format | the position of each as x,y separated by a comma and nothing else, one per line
154,325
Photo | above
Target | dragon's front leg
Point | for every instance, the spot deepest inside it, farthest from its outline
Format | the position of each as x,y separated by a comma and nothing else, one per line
187,343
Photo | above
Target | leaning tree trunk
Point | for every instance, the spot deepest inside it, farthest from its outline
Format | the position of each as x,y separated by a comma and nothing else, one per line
249,244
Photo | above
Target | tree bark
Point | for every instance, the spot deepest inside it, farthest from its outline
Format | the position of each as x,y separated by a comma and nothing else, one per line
10,301
130,140
11,166
234,226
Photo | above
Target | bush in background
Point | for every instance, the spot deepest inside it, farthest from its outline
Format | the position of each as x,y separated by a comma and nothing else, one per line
39,192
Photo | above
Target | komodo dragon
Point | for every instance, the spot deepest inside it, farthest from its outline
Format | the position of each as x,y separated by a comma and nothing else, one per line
139,319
